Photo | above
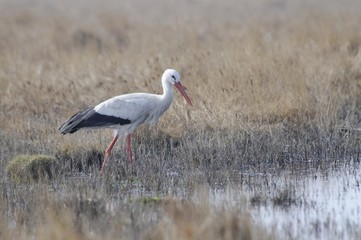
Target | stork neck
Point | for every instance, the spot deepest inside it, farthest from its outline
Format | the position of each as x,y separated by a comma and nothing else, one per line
167,96
167,91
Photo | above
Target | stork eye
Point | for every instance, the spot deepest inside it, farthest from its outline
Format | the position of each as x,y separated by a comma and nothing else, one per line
173,77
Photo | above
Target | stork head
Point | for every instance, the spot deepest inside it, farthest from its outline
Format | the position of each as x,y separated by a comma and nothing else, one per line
173,77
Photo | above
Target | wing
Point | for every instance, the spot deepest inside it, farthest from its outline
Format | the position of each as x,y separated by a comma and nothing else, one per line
89,118
130,106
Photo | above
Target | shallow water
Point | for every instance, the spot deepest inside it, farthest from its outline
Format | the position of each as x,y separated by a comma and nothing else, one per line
315,206
306,205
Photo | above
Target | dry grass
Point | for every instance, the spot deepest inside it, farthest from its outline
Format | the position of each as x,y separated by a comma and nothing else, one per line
304,68
271,91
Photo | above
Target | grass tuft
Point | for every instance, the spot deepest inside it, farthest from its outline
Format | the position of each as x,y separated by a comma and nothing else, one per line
149,201
79,160
30,168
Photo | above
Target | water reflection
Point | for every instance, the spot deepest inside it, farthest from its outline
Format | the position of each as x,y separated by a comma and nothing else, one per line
315,206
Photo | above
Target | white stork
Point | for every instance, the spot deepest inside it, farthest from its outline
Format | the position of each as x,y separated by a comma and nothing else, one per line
126,112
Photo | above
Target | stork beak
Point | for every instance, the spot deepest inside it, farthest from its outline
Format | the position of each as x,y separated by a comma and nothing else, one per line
181,89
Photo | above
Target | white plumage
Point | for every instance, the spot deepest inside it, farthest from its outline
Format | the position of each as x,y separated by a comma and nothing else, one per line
125,112
135,107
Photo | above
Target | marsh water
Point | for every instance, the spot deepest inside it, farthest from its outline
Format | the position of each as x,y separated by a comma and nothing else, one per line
310,206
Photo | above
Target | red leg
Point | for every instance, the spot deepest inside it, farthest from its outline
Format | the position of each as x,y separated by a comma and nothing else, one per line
129,148
107,152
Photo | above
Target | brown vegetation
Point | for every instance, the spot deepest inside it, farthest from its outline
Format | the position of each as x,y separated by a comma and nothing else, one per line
272,92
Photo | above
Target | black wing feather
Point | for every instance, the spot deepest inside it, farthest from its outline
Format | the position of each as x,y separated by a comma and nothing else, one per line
90,118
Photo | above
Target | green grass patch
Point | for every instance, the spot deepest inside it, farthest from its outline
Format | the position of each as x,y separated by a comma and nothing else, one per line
30,168
149,201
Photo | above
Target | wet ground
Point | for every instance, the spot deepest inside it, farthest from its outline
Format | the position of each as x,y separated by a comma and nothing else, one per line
314,206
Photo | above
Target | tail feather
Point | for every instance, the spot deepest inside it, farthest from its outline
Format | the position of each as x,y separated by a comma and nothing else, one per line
74,123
